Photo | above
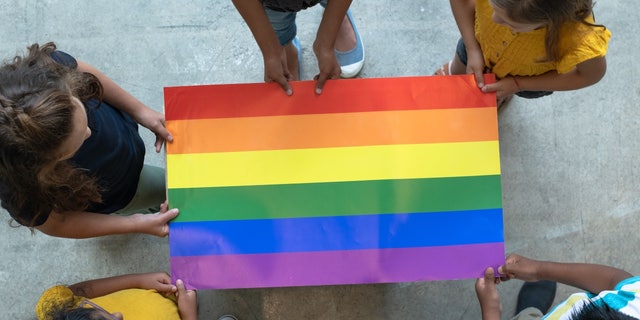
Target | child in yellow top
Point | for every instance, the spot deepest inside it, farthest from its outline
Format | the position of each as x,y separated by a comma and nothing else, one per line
133,296
534,47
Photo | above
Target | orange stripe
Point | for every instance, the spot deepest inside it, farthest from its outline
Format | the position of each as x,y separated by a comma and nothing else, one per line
332,130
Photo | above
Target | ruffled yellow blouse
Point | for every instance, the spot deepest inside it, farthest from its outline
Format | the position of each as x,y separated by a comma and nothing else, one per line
511,53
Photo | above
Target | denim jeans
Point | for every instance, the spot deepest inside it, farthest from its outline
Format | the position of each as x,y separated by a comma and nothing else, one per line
284,23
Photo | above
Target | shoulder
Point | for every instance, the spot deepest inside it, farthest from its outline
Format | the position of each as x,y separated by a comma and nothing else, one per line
64,59
625,297
580,42
55,298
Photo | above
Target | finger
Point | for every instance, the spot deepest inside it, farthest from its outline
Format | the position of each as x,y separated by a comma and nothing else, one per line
164,206
166,287
488,88
322,78
489,275
284,84
180,286
167,216
158,144
479,78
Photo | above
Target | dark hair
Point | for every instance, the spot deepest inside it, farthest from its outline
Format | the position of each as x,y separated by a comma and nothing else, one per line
36,113
77,314
599,311
553,13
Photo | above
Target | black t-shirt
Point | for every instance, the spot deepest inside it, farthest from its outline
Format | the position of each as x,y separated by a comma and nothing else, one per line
113,154
289,5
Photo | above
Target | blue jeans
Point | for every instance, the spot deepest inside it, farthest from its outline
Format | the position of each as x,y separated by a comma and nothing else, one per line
461,51
284,23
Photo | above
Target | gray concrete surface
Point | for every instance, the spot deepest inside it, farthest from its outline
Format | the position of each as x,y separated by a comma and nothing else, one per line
569,161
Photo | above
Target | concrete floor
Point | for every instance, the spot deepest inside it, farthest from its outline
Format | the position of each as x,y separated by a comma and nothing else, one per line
569,161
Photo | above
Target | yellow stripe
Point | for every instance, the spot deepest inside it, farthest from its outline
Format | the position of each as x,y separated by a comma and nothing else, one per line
407,161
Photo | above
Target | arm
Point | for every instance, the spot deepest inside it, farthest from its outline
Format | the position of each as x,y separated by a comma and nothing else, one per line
488,297
591,277
121,99
464,13
323,46
583,75
80,225
187,302
275,68
158,281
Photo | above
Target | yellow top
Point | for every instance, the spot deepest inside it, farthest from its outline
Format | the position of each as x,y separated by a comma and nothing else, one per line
132,303
510,53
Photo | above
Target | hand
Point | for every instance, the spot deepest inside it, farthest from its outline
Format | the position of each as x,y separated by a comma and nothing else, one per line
156,224
488,295
187,302
519,267
475,66
276,70
158,281
328,66
154,121
503,88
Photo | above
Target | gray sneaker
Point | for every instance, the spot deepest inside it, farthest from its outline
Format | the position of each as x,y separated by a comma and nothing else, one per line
228,317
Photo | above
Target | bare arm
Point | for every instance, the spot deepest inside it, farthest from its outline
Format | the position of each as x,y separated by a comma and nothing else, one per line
121,99
583,75
158,281
464,14
80,225
325,41
256,18
591,277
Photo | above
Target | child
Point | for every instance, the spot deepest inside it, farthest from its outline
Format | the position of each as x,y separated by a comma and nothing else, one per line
338,46
134,296
70,152
534,47
612,293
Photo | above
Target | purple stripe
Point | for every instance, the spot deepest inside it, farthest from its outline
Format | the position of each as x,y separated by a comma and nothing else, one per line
337,267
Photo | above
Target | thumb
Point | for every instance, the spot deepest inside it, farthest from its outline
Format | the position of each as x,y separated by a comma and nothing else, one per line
169,215
180,286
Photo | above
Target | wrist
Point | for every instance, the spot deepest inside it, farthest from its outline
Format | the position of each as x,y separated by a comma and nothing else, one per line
517,83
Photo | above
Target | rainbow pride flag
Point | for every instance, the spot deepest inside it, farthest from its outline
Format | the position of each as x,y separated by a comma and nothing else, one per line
374,181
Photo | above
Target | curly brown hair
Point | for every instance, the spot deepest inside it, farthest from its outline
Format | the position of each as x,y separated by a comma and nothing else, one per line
36,113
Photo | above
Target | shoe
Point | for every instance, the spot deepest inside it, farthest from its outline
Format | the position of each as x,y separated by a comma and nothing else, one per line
352,61
445,70
539,294
296,43
227,317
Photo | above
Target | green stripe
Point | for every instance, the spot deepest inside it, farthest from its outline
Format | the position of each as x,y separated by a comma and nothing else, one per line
336,198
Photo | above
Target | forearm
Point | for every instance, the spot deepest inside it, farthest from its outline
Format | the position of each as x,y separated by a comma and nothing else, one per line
330,24
100,287
80,225
590,277
464,14
113,93
256,18
585,74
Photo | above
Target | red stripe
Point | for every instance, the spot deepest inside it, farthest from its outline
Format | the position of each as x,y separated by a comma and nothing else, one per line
339,96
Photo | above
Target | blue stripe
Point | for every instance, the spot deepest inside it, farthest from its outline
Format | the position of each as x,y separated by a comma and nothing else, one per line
336,233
